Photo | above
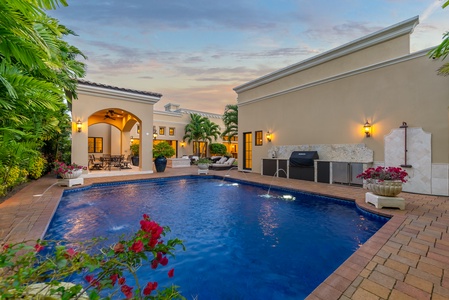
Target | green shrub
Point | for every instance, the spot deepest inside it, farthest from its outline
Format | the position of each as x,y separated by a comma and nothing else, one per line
217,149
36,167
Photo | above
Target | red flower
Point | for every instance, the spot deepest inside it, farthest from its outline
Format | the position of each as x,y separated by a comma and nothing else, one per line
119,248
70,253
38,247
171,273
154,263
164,261
151,286
137,247
152,243
121,280
113,278
127,291
146,217
159,256
6,247
89,278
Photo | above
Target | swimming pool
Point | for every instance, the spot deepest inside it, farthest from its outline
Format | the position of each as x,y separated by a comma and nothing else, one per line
240,243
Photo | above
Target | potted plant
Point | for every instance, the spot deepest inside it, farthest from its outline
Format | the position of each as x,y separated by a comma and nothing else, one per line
135,154
203,163
161,151
384,181
69,171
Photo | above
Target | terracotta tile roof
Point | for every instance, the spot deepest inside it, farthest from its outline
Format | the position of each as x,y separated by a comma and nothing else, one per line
85,82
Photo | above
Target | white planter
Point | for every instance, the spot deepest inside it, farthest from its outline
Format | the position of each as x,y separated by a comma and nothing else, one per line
72,175
386,188
203,166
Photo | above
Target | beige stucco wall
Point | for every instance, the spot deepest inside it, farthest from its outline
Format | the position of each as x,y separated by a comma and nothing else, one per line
327,99
333,112
178,120
92,99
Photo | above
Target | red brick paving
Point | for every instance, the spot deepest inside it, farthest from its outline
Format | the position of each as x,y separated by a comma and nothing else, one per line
408,258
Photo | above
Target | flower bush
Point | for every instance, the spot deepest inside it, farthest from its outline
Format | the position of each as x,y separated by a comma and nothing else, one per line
62,168
26,273
384,173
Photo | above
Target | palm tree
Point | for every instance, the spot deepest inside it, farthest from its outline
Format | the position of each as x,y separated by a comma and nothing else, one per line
194,132
210,130
442,50
231,121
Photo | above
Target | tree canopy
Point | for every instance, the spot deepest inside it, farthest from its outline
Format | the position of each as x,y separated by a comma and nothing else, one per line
442,50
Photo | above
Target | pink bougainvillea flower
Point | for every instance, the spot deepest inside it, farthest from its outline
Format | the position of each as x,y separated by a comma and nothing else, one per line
164,261
137,247
121,280
6,247
151,286
127,291
119,248
171,273
38,247
146,217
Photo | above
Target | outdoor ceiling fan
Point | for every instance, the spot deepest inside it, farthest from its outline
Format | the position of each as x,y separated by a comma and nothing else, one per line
110,114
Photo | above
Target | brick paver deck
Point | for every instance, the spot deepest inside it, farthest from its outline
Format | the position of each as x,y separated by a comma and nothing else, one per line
408,258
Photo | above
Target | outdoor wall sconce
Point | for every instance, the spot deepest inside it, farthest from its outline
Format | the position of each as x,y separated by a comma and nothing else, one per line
367,129
182,144
132,140
79,125
154,135
269,137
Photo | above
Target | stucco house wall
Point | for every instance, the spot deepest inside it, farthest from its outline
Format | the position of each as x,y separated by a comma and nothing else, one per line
329,101
93,98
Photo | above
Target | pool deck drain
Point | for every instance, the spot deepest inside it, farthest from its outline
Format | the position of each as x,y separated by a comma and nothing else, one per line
408,258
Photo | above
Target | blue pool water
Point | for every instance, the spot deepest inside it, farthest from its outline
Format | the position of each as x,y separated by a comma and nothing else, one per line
240,243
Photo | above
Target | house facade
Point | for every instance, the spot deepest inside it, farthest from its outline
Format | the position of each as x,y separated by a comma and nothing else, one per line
326,103
107,120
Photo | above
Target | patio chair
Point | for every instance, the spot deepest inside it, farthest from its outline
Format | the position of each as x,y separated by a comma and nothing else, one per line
226,165
94,163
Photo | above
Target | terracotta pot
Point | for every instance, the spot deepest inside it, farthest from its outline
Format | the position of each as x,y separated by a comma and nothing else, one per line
73,175
386,188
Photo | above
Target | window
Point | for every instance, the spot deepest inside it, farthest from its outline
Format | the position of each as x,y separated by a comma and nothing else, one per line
171,131
95,145
259,138
234,138
161,130
247,151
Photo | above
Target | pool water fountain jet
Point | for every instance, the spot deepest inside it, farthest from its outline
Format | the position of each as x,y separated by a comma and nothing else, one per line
284,197
227,175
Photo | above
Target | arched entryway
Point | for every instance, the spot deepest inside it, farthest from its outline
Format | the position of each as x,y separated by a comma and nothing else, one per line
118,110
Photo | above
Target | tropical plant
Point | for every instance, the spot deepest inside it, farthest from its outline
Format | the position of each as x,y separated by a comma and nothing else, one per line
231,121
442,50
163,149
27,274
37,69
193,131
134,149
217,149
384,173
210,130
203,160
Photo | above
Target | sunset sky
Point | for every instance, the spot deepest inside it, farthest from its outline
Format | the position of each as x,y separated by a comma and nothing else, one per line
195,52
